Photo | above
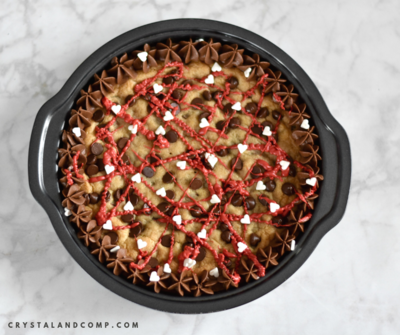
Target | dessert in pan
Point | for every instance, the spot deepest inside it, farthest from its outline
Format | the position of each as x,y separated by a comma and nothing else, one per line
189,167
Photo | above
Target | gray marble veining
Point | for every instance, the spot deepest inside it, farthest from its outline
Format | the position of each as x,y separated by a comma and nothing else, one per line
349,48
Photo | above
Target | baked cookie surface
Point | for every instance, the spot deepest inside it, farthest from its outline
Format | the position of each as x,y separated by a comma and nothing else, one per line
189,168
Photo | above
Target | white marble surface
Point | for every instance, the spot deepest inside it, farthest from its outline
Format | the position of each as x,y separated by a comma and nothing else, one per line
349,48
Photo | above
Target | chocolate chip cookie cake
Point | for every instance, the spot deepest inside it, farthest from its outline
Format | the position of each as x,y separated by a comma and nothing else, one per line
189,167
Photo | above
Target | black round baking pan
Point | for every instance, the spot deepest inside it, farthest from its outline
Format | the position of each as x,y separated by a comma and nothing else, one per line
333,141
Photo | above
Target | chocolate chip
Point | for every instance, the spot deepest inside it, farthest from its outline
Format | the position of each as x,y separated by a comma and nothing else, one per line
175,105
170,194
222,152
125,159
122,142
164,207
134,199
196,211
197,101
153,262
235,122
114,237
148,172
118,193
135,231
94,198
96,149
228,108
250,203
292,170
153,160
270,185
147,211
177,95
228,262
204,115
217,95
108,196
189,244
91,170
237,200
226,236
262,201
207,95
223,226
288,188
276,114
196,184
234,82
201,255
257,171
168,80
167,178
171,136
166,241
127,218
87,199
257,129
91,159
100,164
129,97
98,115
263,112
239,163
251,108
220,125
254,239
278,220
215,208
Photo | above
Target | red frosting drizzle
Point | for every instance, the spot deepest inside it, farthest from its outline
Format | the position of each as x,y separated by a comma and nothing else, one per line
193,160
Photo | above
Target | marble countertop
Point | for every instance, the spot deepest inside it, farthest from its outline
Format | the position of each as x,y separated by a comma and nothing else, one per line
350,49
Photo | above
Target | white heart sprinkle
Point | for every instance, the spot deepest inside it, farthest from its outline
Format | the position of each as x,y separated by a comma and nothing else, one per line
157,88
133,129
242,147
209,79
214,272
154,277
211,159
115,248
128,206
215,199
136,178
177,219
247,72
237,106
168,116
292,245
108,225
109,168
161,192
141,244
245,219
311,181
189,263
143,56
305,124
273,207
216,67
160,131
116,109
167,268
267,131
241,247
260,186
199,40
204,123
181,164
77,131
202,234
67,212
284,164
